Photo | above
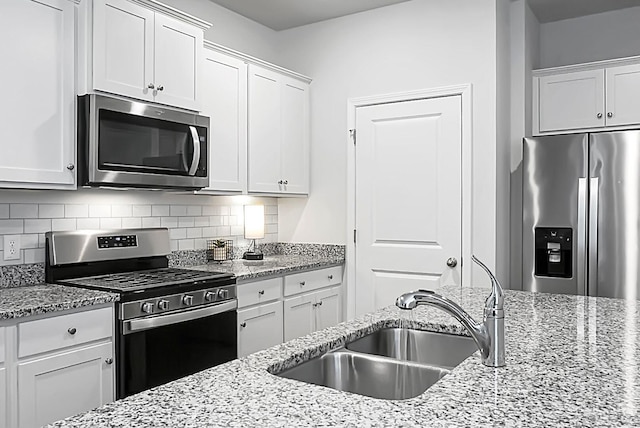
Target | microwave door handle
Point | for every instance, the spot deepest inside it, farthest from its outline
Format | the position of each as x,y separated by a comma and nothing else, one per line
195,162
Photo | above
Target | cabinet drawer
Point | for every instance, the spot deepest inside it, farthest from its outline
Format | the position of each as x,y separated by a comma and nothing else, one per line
253,293
2,345
61,331
312,280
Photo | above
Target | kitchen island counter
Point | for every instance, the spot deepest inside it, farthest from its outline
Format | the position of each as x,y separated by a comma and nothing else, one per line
572,361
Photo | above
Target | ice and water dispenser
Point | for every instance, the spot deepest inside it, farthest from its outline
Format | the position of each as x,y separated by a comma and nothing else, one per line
553,252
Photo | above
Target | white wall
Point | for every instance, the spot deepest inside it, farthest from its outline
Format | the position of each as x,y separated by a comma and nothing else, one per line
232,30
590,38
414,45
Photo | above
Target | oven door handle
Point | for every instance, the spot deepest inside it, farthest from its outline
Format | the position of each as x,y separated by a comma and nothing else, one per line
133,326
195,162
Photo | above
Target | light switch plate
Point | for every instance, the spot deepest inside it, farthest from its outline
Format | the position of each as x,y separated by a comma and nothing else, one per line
12,247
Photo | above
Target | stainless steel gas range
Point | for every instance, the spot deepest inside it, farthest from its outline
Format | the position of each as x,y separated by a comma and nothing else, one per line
170,322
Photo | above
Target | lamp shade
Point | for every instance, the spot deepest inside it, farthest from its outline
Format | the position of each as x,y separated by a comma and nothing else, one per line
254,221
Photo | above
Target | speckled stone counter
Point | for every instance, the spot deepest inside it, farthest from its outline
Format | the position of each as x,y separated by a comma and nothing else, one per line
272,265
571,362
44,298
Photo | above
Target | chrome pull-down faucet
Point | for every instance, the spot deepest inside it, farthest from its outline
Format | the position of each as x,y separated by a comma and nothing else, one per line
488,335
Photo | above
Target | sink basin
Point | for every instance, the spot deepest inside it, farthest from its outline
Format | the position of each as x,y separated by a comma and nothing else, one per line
368,375
438,349
390,363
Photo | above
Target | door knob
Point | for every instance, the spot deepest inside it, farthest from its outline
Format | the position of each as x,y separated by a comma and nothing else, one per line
452,262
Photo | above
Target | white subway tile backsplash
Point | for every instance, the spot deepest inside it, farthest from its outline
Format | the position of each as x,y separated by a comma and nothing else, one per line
173,245
99,210
110,223
270,228
63,224
237,230
270,219
9,227
177,233
200,244
224,211
194,210
131,223
151,222
178,210
186,222
4,210
209,232
51,211
201,221
194,232
169,222
160,210
233,220
23,211
271,209
29,240
223,231
121,210
215,220
34,255
210,210
41,240
37,226
237,210
141,211
88,223
76,210
186,244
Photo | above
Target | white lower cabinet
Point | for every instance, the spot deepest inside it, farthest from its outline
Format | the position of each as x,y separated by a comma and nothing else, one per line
3,398
311,312
64,384
259,327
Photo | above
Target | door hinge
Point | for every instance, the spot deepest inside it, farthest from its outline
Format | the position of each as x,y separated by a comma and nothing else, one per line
352,134
354,236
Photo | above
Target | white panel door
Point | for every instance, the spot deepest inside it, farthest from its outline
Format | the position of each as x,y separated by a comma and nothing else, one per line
37,112
408,198
572,101
328,309
265,131
178,49
123,41
259,328
223,93
295,136
623,95
3,398
64,384
299,316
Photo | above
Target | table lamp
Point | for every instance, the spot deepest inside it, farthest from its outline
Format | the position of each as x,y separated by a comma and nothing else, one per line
253,229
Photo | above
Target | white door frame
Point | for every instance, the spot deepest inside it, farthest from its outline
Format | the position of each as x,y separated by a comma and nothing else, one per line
464,91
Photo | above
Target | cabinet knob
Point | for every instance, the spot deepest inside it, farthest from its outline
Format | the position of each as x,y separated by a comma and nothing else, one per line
109,361
599,115
610,114
243,325
261,292
320,303
161,88
330,277
303,283
280,182
72,331
70,167
151,86
286,182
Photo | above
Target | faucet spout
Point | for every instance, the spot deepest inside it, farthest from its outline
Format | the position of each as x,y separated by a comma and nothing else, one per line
488,335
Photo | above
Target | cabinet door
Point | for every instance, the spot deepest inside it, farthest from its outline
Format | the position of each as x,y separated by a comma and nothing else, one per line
64,384
295,136
178,48
623,95
265,131
299,315
223,92
259,328
329,308
571,101
123,40
3,398
37,112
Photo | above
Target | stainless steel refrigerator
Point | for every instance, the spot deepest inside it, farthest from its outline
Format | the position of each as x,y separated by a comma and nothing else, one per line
581,214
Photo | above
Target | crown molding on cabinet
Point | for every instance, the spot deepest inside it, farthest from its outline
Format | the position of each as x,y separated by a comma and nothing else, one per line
586,66
249,59
174,13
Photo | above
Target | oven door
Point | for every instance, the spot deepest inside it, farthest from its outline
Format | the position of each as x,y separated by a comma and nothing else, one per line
158,349
132,144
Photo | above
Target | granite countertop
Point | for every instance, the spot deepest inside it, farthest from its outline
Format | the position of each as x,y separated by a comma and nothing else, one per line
44,298
572,361
271,265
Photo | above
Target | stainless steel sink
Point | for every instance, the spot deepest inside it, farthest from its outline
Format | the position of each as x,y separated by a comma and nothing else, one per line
369,375
391,363
436,349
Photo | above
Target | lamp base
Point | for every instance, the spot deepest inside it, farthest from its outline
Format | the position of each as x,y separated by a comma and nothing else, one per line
252,255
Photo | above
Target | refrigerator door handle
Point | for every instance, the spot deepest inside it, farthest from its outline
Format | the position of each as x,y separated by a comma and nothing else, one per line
594,190
581,264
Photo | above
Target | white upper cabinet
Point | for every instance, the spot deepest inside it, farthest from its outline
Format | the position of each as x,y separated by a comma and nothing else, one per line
223,92
37,112
278,133
595,96
140,52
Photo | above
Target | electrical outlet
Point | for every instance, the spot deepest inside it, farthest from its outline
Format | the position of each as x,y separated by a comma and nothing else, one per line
12,247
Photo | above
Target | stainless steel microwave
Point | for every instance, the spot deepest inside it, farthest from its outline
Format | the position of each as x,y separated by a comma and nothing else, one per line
131,144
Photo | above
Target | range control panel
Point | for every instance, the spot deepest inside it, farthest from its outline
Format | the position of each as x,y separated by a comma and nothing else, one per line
117,241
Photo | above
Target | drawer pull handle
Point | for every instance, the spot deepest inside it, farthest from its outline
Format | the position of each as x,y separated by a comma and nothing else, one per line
72,331
243,325
320,303
261,292
109,361
330,276
303,283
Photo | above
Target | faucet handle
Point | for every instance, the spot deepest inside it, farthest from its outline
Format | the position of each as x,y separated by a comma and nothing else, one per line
495,301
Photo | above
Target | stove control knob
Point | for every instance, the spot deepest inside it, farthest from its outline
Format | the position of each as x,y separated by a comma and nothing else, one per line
210,296
223,294
147,307
163,305
187,300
